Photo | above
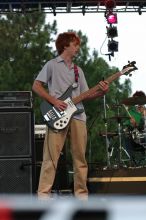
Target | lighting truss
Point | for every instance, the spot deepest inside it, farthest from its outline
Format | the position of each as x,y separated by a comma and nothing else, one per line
70,6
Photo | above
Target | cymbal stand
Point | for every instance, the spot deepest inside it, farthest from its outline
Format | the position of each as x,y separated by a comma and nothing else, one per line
121,148
106,136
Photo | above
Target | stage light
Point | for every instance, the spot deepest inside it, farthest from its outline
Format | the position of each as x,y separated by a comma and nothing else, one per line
83,10
111,18
139,9
110,4
54,10
112,46
112,32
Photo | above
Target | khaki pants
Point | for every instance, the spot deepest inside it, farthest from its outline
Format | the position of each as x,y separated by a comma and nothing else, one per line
53,145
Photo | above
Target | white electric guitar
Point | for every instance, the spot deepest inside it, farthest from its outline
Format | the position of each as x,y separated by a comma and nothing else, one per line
58,120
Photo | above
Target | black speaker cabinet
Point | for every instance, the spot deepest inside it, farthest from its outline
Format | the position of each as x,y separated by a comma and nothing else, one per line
17,153
15,133
16,175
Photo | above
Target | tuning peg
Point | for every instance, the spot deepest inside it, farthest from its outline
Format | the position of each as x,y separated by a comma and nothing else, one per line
133,62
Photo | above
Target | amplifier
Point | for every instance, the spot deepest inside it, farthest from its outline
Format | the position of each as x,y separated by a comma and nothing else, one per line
40,131
15,99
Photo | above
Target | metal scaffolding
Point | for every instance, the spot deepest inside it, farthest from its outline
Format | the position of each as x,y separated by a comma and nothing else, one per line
70,6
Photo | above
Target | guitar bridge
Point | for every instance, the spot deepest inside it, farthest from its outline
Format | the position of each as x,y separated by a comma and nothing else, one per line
59,113
53,114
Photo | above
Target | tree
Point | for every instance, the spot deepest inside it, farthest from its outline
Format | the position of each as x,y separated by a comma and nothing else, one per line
24,48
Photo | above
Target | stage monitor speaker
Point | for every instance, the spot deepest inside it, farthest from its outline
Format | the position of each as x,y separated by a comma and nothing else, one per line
16,132
16,175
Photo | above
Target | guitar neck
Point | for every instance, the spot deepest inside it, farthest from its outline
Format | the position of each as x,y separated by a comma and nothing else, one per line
94,89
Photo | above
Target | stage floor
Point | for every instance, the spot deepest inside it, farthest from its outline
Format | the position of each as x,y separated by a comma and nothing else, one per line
118,181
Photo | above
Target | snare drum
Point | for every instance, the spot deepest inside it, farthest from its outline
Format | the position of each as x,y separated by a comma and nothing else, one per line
140,138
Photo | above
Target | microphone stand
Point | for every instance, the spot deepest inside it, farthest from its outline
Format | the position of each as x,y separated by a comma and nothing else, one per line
120,139
106,136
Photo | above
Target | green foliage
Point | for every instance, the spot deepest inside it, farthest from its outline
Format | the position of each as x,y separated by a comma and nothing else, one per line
24,48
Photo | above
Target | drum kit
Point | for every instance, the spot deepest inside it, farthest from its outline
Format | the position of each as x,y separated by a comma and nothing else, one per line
122,154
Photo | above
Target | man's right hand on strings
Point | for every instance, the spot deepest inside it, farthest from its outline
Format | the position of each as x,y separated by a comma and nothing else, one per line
59,104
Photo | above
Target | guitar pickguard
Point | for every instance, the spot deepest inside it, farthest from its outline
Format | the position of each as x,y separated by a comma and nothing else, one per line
67,114
58,119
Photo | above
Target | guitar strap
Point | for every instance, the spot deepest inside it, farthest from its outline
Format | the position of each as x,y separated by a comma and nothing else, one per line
76,73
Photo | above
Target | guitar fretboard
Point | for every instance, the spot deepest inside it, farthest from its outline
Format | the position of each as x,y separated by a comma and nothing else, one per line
94,89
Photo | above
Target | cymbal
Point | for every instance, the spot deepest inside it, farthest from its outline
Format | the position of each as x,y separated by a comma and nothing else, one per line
119,117
116,105
110,134
135,101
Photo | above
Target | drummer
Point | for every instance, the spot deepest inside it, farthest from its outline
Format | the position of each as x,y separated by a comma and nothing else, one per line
136,113
135,123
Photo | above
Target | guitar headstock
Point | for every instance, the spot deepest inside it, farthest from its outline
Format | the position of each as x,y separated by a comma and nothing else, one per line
127,69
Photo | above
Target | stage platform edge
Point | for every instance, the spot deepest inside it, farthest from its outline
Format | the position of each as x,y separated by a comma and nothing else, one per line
118,181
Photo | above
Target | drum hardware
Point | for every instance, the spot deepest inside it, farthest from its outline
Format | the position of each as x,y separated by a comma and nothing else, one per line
135,101
109,134
121,149
119,117
139,137
126,108
114,106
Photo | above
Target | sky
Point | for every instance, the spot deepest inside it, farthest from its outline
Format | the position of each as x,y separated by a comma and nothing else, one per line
131,37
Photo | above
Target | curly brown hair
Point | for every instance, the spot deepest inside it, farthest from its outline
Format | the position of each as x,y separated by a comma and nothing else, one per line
64,39
138,93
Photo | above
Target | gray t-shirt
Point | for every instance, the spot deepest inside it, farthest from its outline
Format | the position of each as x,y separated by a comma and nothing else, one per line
59,77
